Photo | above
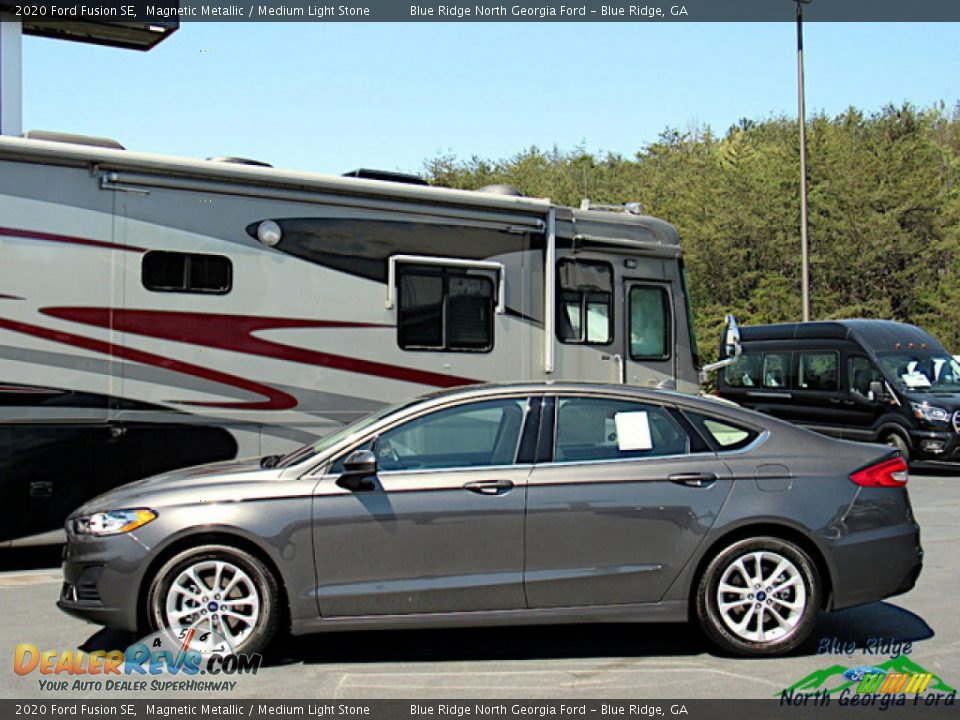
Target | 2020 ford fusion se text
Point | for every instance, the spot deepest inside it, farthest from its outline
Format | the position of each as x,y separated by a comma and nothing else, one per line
509,504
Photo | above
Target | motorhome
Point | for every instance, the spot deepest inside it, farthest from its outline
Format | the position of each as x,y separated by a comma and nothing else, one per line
158,312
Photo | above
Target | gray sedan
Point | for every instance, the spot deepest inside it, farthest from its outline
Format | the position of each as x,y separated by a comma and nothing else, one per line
509,504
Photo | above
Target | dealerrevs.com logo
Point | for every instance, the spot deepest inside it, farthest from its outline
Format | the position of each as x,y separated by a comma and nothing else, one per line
153,663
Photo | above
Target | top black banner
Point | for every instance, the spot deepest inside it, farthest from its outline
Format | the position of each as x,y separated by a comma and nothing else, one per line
168,11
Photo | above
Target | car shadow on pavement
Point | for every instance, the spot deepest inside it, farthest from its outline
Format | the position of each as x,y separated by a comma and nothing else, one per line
865,626
30,558
873,622
876,622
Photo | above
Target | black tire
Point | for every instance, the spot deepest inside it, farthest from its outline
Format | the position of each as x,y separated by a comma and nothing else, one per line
263,580
713,621
896,441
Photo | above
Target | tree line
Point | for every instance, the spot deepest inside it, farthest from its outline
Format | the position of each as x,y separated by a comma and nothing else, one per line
884,207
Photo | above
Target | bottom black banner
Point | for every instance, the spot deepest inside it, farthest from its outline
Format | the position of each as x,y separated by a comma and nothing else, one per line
792,706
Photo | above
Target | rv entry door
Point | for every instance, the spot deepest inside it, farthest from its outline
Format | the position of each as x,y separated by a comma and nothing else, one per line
648,354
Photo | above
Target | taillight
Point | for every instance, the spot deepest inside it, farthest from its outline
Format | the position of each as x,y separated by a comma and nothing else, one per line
889,473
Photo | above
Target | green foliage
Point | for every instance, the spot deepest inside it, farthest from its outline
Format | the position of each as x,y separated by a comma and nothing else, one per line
884,202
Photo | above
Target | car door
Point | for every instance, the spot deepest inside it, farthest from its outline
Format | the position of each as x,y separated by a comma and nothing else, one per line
628,493
440,526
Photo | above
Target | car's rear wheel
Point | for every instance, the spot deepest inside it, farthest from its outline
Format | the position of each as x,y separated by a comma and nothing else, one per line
219,590
759,596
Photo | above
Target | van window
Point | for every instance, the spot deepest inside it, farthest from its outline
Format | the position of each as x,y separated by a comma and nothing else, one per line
163,271
818,371
444,309
776,370
649,323
584,302
862,372
745,372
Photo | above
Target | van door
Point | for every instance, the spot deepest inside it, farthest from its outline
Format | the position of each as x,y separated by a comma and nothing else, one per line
648,340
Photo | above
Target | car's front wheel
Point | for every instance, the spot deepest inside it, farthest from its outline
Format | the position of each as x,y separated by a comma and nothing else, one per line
759,596
219,591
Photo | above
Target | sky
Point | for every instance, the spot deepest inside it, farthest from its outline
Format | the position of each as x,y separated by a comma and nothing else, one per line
334,97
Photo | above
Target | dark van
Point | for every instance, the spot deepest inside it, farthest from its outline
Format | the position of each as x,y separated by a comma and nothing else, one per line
868,380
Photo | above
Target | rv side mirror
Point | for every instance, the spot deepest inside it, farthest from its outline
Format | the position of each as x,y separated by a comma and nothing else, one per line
877,391
731,349
731,338
359,466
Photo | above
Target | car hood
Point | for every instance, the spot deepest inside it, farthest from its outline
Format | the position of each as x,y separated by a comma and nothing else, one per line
210,480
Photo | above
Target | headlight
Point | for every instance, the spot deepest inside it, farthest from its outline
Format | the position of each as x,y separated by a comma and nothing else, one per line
113,522
931,413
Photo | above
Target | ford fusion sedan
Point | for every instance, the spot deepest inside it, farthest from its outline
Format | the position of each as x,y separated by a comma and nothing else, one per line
514,504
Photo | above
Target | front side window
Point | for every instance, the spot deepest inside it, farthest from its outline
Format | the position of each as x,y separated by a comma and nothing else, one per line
817,371
862,372
479,434
163,271
649,323
444,309
584,302
602,429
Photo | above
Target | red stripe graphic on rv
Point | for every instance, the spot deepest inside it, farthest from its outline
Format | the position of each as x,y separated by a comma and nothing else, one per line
276,399
69,239
235,333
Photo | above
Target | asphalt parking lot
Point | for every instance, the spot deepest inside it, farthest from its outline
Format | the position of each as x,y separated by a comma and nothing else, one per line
588,661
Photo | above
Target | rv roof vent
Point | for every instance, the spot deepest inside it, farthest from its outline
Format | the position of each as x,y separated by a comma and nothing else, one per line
633,208
502,189
59,137
386,176
238,161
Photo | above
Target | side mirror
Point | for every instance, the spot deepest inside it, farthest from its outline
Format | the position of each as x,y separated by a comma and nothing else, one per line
361,465
732,348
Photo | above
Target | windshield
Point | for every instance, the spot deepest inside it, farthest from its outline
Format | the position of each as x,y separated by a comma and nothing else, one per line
919,371
328,441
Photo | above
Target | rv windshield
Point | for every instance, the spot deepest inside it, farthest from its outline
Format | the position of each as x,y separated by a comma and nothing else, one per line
920,371
328,441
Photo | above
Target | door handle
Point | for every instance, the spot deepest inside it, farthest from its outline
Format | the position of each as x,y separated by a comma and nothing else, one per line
489,487
696,479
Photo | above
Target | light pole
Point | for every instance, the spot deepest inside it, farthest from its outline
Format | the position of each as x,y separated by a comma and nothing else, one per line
804,239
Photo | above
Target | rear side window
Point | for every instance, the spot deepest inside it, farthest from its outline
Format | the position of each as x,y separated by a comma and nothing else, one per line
164,271
584,302
723,434
444,309
818,371
776,370
607,429
745,372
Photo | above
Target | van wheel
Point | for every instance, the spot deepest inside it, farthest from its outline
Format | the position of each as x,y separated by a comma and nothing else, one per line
218,590
897,442
758,597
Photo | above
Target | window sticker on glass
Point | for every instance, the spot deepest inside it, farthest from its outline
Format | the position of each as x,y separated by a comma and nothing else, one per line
915,379
633,431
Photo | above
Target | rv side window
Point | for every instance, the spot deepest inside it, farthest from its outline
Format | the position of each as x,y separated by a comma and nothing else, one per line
584,302
745,372
444,309
817,371
649,323
186,272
